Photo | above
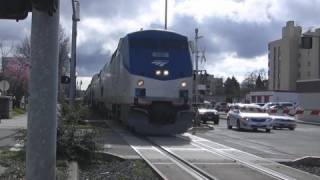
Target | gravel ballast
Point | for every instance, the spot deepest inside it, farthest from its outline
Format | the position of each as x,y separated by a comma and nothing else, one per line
118,169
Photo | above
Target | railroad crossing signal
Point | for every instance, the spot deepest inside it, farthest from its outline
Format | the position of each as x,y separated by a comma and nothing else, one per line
14,9
19,9
65,79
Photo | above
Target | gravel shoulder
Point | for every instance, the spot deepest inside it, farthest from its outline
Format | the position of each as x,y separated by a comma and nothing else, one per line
118,169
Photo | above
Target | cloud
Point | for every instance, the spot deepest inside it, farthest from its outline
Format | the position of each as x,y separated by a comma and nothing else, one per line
89,64
232,65
235,31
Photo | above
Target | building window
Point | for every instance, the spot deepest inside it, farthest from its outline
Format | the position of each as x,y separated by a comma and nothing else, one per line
308,74
258,99
309,63
253,99
306,42
266,99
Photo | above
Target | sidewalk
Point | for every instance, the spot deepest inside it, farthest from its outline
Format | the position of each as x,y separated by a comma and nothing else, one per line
18,122
8,129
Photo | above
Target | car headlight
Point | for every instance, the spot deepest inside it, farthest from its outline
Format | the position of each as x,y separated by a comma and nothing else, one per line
183,84
158,72
245,119
140,83
166,73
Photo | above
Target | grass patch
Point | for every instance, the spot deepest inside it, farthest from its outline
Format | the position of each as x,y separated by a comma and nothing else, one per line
14,162
18,111
15,166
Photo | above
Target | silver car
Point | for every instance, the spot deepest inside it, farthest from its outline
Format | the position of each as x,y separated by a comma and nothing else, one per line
283,121
248,116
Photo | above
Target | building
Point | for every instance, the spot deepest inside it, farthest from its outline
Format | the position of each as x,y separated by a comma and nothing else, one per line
294,60
272,96
210,88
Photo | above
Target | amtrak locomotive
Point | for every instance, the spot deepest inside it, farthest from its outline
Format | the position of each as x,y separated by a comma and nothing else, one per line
147,84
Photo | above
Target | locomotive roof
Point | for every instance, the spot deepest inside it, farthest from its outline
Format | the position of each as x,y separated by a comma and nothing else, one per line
151,33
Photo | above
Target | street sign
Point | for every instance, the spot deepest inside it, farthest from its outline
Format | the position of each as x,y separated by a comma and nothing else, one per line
4,85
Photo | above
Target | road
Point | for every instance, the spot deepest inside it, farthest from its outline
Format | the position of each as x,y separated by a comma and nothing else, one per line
279,145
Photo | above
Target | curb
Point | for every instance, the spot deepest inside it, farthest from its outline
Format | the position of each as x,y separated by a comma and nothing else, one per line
310,123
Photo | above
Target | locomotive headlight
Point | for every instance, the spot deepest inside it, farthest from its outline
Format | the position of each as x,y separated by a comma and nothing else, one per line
158,72
166,72
183,84
140,83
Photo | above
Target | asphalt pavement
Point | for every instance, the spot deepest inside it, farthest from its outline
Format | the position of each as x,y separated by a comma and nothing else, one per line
279,145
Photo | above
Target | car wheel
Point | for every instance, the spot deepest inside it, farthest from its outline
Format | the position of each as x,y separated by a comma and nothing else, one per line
228,124
204,121
274,127
291,128
238,125
216,122
268,130
255,129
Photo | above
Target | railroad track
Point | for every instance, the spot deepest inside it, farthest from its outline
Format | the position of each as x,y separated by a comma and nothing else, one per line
203,172
191,157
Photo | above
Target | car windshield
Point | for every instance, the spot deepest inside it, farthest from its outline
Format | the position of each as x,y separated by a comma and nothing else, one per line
251,110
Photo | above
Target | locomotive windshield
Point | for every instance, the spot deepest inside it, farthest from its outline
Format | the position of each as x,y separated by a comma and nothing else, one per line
159,44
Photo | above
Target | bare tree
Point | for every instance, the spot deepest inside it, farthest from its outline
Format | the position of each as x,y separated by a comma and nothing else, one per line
6,48
23,49
23,53
251,79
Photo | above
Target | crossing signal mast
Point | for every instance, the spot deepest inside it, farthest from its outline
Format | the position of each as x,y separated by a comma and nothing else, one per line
166,15
42,111
196,72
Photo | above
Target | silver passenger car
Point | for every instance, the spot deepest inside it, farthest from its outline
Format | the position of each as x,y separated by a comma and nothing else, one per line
283,121
248,116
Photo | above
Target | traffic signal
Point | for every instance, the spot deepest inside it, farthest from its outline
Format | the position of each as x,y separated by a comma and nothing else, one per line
65,80
18,9
14,9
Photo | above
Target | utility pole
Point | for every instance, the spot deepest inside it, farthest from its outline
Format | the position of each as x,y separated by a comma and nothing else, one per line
42,115
196,64
73,64
166,15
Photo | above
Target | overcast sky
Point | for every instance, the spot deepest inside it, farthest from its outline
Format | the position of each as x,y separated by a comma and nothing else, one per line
236,32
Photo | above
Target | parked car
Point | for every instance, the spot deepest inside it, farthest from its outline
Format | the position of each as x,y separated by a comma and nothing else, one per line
283,121
221,106
284,106
269,104
248,116
260,104
208,114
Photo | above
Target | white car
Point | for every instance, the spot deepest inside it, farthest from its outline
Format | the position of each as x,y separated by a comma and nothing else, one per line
283,121
248,116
